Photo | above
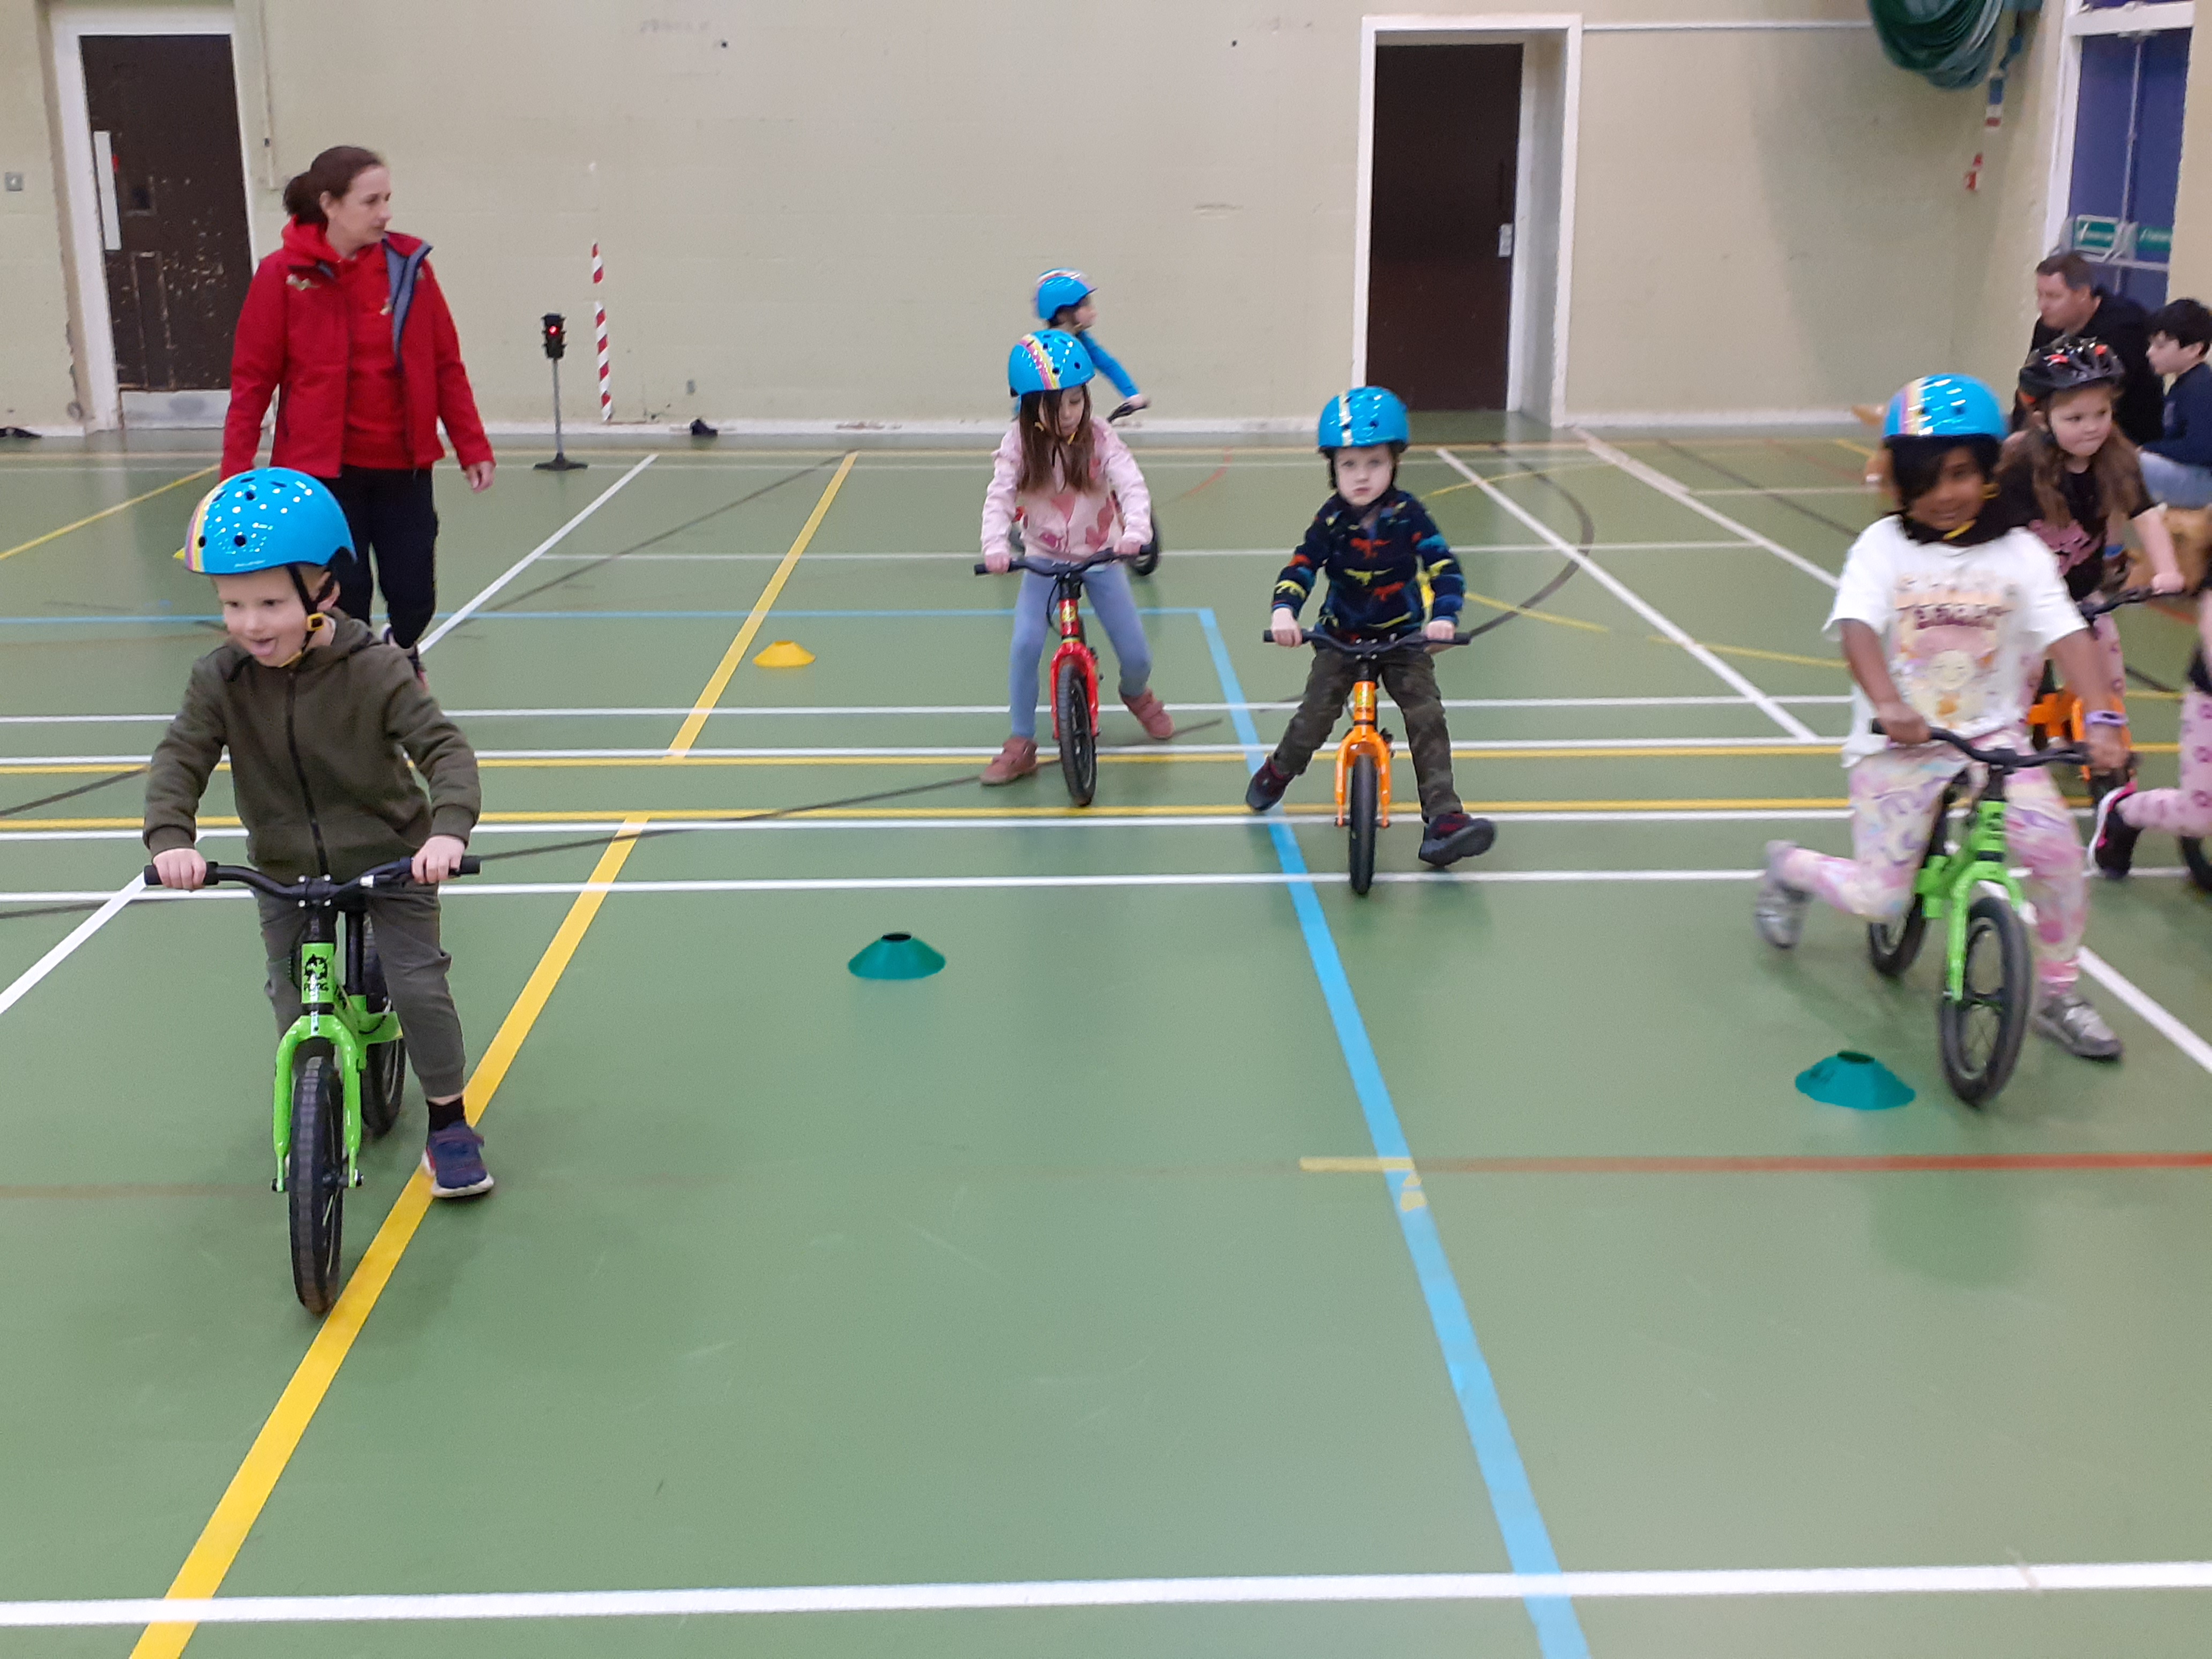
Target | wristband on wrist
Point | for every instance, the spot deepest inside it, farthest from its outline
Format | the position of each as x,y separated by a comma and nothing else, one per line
2105,717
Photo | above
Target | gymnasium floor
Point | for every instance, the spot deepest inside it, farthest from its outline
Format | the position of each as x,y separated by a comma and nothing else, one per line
1199,1221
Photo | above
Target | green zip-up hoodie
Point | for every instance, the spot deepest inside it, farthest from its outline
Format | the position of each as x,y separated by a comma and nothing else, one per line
318,758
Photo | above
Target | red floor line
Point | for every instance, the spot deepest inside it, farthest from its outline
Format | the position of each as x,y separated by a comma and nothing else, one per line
1817,1164
1216,476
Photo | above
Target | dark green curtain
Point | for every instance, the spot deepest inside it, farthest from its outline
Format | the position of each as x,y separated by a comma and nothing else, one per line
1952,42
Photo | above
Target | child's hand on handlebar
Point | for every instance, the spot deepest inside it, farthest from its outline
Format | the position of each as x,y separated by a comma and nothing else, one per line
1128,548
1442,628
181,867
2108,748
2167,581
438,858
1283,625
998,561
1902,724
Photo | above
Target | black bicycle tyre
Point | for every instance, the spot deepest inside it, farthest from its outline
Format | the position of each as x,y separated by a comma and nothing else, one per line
2200,866
383,1067
1148,557
1079,743
1893,946
1996,938
315,1176
1363,807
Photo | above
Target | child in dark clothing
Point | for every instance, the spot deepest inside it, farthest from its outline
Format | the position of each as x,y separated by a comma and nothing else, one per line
2178,468
1391,576
321,722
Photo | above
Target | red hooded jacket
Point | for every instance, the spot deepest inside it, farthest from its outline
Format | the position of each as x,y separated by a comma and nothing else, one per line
294,337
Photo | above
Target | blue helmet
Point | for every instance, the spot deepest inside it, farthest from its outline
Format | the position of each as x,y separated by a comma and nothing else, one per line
1365,415
1047,360
1945,406
264,519
1057,289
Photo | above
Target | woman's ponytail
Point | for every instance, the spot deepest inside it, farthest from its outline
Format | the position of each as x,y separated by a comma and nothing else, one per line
330,173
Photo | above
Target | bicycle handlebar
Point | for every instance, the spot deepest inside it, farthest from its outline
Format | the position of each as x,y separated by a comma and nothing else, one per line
2092,609
1364,648
400,872
1052,568
2004,760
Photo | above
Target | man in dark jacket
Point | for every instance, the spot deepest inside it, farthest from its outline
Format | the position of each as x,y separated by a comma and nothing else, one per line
2068,300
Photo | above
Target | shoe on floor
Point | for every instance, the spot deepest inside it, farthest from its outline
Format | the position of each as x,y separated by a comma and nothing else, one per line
1017,760
1454,837
1151,714
2066,1018
1267,785
1779,912
2112,841
454,1162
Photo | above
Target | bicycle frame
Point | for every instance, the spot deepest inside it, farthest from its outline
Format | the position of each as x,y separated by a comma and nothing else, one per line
1364,737
1945,888
1067,608
334,1014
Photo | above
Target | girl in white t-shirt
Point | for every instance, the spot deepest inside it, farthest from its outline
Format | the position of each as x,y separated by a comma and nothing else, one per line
1941,615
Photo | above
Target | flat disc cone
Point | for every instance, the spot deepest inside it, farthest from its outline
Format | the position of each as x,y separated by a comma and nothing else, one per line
897,956
1858,1081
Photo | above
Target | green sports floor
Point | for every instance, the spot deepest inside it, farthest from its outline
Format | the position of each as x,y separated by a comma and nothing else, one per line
1206,1261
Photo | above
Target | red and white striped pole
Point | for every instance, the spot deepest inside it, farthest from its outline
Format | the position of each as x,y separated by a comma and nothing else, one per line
599,322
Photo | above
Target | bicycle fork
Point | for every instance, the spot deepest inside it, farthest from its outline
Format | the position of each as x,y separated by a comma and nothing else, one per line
320,1019
1945,888
1366,737
1069,613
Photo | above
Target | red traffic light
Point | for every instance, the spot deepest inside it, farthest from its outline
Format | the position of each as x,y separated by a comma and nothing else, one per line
554,333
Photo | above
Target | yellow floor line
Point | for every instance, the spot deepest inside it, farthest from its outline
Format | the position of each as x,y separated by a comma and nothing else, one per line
105,512
1835,663
1355,1165
225,1534
719,681
1540,616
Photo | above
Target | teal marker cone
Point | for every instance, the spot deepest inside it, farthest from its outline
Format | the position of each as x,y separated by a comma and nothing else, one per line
1858,1081
897,956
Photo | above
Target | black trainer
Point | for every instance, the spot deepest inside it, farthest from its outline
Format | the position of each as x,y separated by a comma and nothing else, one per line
1267,785
2113,840
1454,837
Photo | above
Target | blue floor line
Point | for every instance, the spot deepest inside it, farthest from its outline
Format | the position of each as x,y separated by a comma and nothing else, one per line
1513,1500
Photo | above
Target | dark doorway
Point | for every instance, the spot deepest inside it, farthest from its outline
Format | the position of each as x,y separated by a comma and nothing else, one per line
1440,240
164,113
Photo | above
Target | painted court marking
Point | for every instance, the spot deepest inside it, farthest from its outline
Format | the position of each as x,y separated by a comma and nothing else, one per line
1675,491
1548,1589
104,513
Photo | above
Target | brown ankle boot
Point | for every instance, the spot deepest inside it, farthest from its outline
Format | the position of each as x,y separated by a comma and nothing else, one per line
1151,714
1017,760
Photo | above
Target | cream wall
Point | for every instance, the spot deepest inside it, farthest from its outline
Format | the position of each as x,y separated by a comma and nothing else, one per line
834,211
2193,216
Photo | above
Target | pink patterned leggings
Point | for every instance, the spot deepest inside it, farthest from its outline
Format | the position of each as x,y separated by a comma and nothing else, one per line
1894,793
2186,811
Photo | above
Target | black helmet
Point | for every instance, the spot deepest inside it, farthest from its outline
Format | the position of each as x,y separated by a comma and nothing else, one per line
2068,363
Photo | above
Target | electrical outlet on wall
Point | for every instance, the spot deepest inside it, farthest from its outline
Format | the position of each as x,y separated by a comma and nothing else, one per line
13,181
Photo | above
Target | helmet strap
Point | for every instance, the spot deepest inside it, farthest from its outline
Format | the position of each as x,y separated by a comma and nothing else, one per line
318,620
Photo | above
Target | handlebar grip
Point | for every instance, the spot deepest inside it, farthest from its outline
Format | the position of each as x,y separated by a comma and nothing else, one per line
151,877
469,865
983,569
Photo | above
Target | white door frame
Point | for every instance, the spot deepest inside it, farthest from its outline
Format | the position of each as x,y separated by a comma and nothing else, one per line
1528,311
2076,22
72,24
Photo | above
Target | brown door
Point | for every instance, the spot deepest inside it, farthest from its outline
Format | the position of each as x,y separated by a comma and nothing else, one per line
164,126
1440,248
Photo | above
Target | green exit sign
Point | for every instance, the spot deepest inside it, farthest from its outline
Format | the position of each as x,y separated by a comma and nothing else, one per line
2093,234
2154,243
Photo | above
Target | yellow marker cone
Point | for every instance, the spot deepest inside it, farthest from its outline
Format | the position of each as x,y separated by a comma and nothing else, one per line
784,653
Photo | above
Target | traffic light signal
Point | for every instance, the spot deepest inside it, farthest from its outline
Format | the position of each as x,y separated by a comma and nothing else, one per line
556,333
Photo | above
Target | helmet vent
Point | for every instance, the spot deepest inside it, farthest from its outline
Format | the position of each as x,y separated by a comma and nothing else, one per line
238,540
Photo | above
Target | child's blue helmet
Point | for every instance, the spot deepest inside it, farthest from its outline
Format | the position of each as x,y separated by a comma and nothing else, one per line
1049,360
1365,415
1057,289
264,519
1945,406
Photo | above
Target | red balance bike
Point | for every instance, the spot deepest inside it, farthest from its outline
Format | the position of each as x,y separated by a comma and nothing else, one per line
1074,678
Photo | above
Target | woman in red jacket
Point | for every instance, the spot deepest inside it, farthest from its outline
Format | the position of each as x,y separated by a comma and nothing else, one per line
345,325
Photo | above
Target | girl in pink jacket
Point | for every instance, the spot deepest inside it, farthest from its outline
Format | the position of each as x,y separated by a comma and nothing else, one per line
1073,486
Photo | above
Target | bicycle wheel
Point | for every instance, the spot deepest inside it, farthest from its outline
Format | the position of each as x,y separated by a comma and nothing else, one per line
2200,866
383,1067
1980,1033
315,1175
1894,945
1362,808
1079,743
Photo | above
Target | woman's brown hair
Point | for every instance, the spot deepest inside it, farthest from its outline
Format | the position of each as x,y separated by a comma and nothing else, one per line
2114,464
1049,460
330,173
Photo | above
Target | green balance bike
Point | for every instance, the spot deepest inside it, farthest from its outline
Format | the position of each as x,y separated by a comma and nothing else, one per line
1989,985
342,1067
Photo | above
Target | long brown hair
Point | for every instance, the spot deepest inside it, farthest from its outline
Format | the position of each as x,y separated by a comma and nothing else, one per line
2032,446
330,173
1048,459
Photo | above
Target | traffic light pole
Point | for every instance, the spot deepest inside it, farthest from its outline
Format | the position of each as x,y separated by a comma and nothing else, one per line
555,335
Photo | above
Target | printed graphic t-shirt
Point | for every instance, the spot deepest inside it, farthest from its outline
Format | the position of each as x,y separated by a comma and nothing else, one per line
2079,546
1963,629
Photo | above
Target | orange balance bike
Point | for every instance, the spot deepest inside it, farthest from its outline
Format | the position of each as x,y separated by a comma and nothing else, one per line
2056,716
1363,758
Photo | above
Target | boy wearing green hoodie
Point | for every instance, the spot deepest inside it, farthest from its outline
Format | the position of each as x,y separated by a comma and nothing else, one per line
322,721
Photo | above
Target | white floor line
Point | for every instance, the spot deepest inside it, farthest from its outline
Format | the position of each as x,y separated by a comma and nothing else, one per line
968,555
836,709
1795,490
2153,1012
2011,1578
1773,710
26,980
1675,491
970,751
531,557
